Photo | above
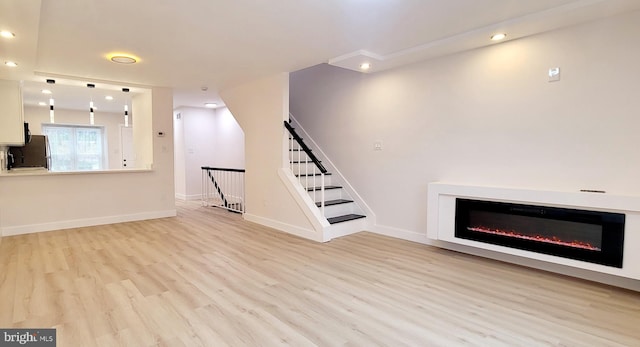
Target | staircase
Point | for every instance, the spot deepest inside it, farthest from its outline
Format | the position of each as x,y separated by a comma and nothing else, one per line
332,199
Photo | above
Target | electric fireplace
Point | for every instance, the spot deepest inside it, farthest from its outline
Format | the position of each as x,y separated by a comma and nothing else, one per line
591,236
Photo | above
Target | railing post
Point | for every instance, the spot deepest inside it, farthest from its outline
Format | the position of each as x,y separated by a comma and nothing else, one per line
322,194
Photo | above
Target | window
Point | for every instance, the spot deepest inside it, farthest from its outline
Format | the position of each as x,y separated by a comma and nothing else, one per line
75,147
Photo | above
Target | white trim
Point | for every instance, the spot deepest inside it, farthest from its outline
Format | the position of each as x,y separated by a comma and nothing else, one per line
402,234
284,227
193,197
79,223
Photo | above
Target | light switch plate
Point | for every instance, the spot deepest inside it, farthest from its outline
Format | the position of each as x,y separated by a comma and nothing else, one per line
377,146
554,74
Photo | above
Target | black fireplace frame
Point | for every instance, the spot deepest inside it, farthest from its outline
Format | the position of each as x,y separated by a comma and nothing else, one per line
611,253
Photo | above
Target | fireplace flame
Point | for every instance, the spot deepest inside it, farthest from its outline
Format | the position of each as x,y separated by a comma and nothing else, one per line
553,240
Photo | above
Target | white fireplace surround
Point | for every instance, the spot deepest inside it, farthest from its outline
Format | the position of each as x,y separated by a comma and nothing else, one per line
441,221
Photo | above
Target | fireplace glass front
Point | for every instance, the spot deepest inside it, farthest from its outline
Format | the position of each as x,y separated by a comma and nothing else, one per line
592,236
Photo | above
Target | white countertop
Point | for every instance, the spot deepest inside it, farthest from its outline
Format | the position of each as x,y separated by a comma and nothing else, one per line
17,172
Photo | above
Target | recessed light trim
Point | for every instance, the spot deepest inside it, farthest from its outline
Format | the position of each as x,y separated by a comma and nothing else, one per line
365,66
108,97
498,36
46,91
210,105
123,59
42,103
7,34
11,63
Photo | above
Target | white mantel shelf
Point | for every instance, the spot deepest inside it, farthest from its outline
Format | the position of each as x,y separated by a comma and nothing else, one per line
441,221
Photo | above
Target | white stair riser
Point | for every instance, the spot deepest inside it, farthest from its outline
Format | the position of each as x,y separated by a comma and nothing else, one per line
340,210
329,194
314,181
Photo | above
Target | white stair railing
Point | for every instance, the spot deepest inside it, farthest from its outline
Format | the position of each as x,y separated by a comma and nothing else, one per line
222,187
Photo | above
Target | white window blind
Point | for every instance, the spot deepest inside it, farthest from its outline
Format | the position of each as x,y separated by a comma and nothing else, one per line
75,147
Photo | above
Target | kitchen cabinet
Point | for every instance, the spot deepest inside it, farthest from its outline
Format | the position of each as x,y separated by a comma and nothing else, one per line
11,114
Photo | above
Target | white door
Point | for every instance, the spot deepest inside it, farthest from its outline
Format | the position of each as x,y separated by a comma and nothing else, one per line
128,154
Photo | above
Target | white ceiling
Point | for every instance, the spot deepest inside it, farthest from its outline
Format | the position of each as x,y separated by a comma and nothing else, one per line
187,45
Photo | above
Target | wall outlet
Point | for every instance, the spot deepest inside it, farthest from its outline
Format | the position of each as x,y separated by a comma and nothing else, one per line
377,146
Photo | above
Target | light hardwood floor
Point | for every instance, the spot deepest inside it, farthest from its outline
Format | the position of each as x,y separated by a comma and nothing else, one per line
207,278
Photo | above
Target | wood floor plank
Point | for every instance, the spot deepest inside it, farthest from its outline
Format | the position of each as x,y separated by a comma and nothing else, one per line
208,278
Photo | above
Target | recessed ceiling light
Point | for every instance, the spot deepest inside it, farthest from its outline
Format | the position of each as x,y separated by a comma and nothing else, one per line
42,103
10,63
46,91
498,37
109,97
210,104
122,58
365,66
7,34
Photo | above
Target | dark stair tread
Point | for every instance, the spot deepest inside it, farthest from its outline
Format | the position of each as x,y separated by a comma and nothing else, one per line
325,188
298,150
345,218
309,175
302,161
334,202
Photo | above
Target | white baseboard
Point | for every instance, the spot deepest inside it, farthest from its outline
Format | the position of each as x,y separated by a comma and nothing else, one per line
309,234
400,234
79,223
189,197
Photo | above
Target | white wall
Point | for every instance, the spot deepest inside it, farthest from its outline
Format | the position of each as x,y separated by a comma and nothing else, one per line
483,117
229,141
56,201
260,108
111,122
207,137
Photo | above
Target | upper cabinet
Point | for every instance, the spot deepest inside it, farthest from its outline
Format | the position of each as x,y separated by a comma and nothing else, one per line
11,114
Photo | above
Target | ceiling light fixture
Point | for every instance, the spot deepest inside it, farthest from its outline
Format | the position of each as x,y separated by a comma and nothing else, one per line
210,104
7,34
10,63
108,97
46,91
365,66
123,58
498,37
42,103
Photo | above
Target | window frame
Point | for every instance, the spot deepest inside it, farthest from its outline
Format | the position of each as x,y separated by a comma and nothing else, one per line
103,137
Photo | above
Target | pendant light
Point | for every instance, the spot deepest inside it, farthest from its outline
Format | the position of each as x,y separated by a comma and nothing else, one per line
91,118
126,115
51,115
